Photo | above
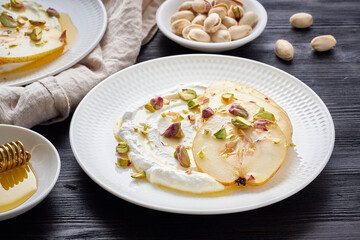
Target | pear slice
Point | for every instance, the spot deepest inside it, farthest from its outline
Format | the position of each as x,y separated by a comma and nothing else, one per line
245,94
17,46
254,154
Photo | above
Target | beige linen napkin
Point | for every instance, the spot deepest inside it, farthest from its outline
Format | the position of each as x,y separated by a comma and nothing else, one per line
131,23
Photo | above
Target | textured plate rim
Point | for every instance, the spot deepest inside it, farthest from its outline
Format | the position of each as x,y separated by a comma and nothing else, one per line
75,60
29,204
209,211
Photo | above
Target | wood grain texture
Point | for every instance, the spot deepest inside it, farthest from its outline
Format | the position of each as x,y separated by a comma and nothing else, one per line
328,208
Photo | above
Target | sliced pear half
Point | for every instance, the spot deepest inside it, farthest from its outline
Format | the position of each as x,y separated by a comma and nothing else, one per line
253,154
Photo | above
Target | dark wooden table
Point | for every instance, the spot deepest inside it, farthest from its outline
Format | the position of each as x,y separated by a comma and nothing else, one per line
328,208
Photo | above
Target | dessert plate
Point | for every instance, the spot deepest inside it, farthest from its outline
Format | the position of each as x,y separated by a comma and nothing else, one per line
91,25
93,144
45,161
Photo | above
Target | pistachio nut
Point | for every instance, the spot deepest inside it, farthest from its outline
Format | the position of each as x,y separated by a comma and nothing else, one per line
220,9
264,115
201,155
157,103
186,30
221,36
241,123
229,22
187,94
182,156
323,43
174,130
52,12
123,162
182,15
185,6
37,22
250,18
141,174
192,105
238,32
227,97
122,147
198,35
199,19
149,107
16,4
201,6
301,20
284,50
178,26
237,110
21,20
236,12
36,34
7,20
207,112
221,134
212,23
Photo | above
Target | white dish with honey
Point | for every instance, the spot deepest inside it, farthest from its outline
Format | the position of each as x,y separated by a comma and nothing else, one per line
41,38
23,187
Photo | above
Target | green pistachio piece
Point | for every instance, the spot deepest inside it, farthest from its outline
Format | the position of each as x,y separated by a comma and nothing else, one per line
182,156
191,104
7,20
221,134
150,107
37,22
122,147
36,34
12,45
227,97
163,114
262,114
21,20
124,162
206,132
187,94
141,174
39,44
241,123
201,155
52,12
16,4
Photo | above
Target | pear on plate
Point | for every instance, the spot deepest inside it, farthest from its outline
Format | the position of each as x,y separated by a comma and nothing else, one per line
248,152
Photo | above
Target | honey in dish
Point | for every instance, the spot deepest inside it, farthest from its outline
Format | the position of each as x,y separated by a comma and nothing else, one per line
16,186
71,37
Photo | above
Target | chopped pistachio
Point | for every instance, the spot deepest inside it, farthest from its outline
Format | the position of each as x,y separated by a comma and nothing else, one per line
36,34
163,114
123,162
149,107
187,94
141,174
166,101
221,134
276,140
157,103
122,147
174,130
52,12
143,132
16,4
181,117
39,44
191,104
37,22
12,45
146,127
17,29
237,110
185,111
201,155
292,145
262,114
227,97
241,123
206,132
182,156
7,20
232,137
21,20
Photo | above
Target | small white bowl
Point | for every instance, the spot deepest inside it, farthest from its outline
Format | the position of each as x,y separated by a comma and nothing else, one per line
169,7
45,161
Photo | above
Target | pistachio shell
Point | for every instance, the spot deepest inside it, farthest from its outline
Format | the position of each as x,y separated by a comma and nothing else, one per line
178,26
185,6
229,22
201,6
284,50
199,19
231,2
220,9
323,43
238,32
301,20
250,18
212,23
198,35
223,27
182,15
186,30
236,12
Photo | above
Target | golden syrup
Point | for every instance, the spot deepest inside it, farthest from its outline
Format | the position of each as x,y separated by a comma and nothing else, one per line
16,186
71,37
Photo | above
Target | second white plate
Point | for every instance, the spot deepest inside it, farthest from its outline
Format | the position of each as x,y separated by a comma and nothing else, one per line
93,143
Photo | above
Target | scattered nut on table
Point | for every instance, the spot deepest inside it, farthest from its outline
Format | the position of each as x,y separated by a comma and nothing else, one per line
301,20
284,50
323,43
213,20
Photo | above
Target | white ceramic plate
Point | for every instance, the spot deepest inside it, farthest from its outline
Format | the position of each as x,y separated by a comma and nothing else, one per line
169,7
93,143
45,161
89,17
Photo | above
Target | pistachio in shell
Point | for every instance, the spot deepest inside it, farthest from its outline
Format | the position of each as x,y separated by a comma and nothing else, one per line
7,20
201,6
239,32
178,26
323,43
182,15
221,36
250,18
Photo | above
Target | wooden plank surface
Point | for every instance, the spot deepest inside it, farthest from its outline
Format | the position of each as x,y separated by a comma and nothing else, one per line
328,208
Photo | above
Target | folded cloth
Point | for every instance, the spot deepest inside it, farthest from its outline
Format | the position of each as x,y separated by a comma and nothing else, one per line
131,23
